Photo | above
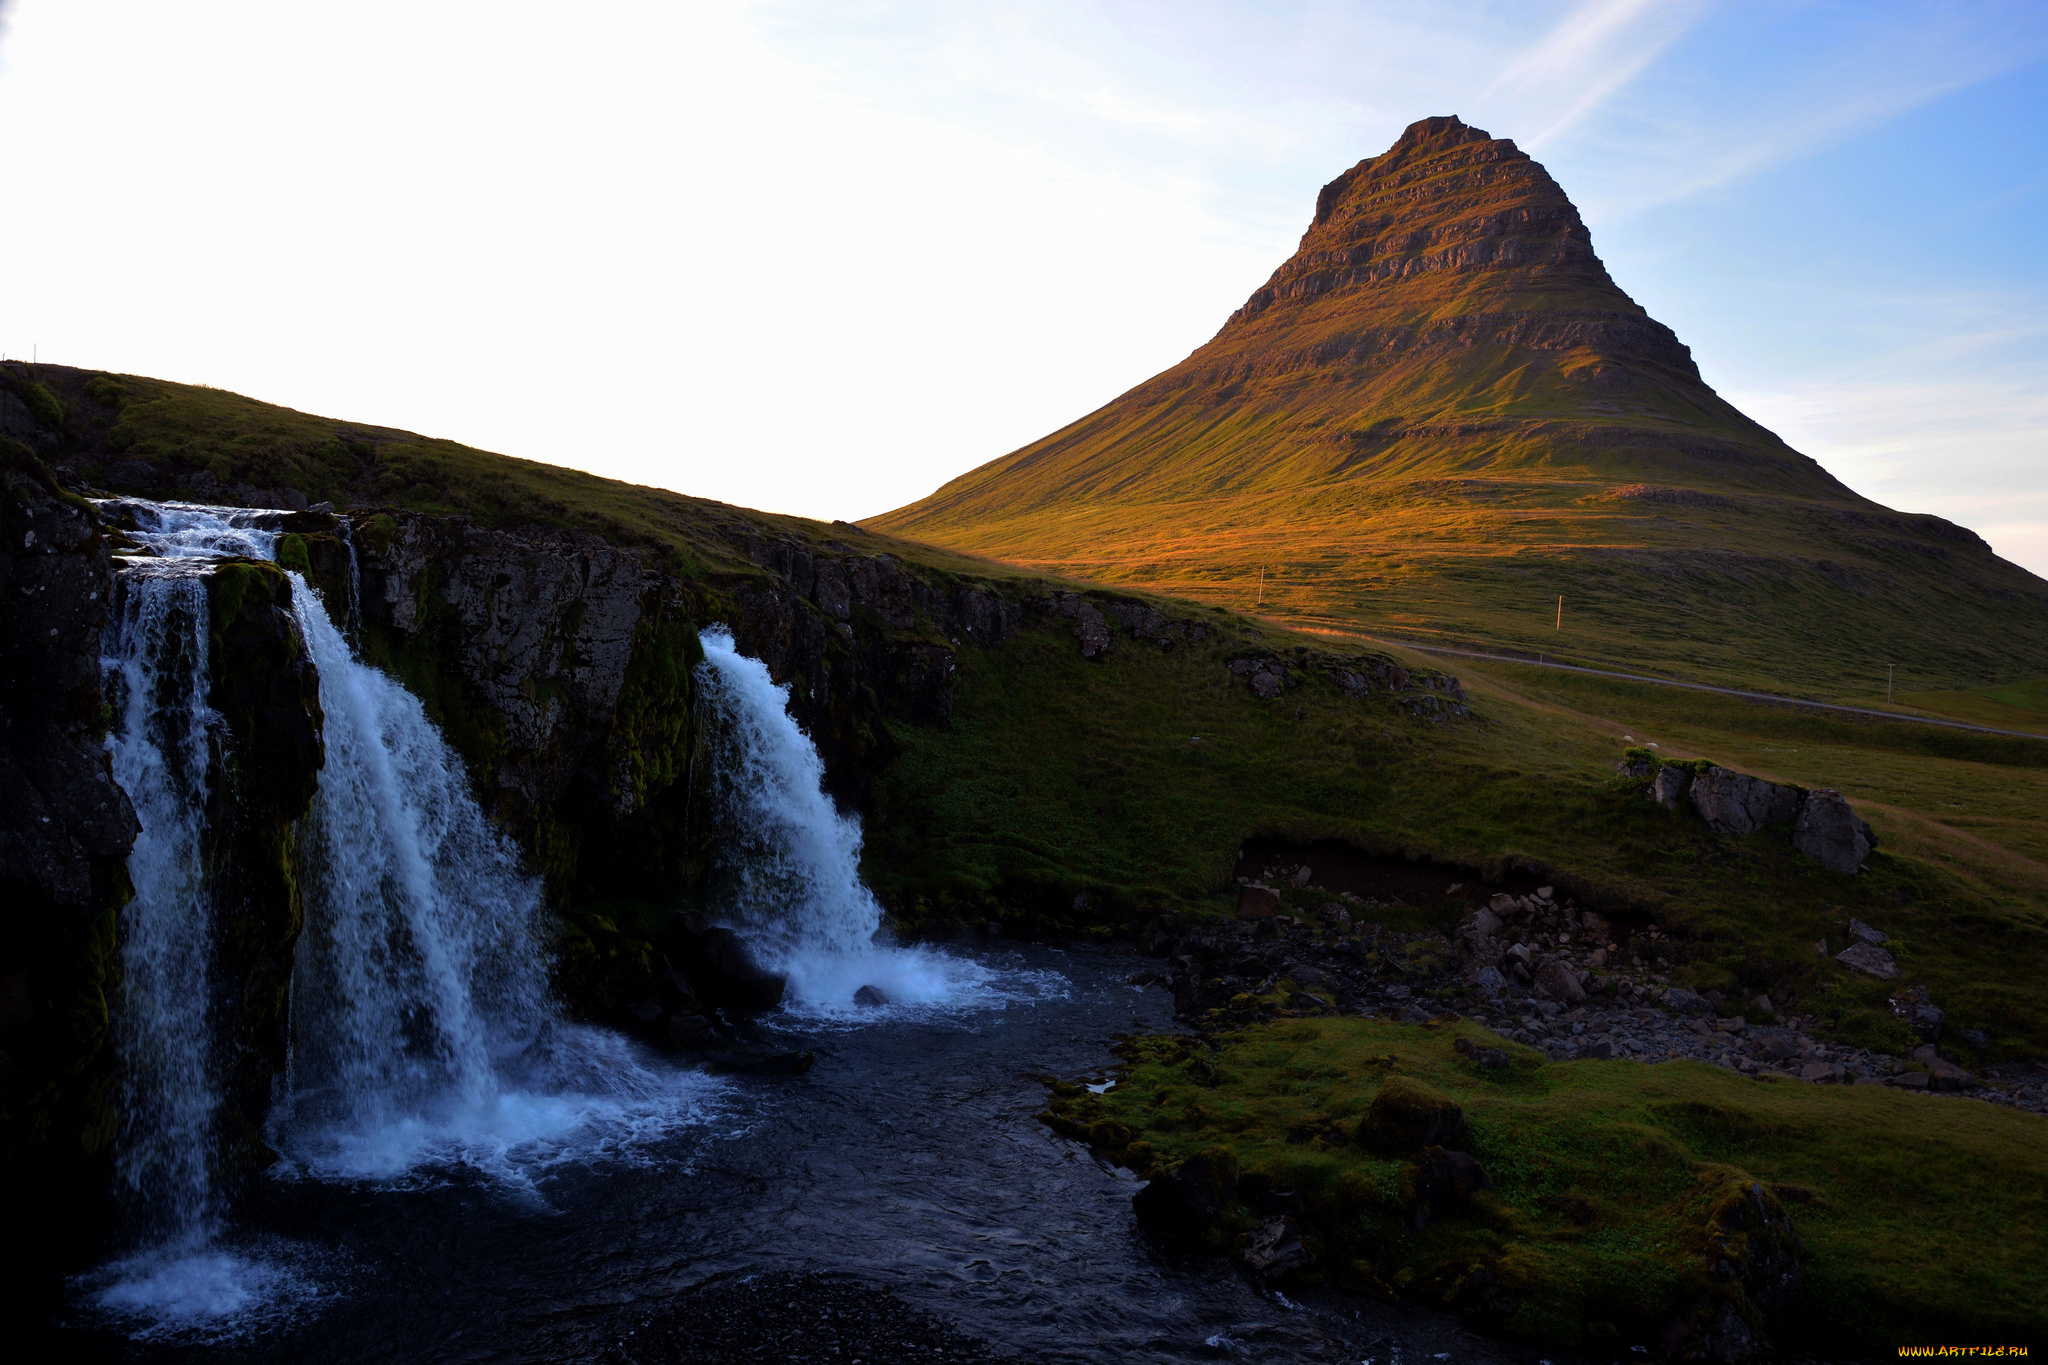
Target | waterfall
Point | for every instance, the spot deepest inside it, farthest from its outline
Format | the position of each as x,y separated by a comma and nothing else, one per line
163,756
792,860
423,1031
420,989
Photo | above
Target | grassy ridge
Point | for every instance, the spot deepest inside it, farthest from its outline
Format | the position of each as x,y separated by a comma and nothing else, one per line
1922,1219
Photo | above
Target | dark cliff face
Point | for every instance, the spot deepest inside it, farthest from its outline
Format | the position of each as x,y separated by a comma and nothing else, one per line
265,688
65,829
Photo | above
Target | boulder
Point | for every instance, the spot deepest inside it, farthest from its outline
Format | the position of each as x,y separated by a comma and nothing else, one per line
870,997
1669,788
1407,1114
1275,1249
1481,923
1685,1002
1832,834
1488,981
1858,929
1560,981
1868,957
1736,803
1636,765
1257,902
1187,1200
723,973
687,1032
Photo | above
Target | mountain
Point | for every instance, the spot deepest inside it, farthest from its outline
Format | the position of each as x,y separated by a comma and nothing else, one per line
1440,415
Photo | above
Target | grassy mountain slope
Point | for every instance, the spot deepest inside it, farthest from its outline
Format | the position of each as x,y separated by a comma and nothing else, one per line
1057,773
1441,415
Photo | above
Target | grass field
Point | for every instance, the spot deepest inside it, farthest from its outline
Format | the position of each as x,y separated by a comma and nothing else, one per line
1150,769
1921,1219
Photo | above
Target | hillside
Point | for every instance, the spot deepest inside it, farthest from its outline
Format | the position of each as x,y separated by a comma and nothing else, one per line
1056,774
1440,415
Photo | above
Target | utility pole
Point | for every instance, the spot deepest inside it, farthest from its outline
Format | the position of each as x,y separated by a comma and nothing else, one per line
1560,612
1262,585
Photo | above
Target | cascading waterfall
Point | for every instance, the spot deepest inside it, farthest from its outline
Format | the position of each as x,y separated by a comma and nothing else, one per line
793,860
162,751
420,987
423,1029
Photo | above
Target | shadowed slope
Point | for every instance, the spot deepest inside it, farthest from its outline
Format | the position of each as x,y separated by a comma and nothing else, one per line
1440,415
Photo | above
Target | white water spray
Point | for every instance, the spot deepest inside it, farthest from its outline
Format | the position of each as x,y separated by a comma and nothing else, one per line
423,1030
163,757
794,859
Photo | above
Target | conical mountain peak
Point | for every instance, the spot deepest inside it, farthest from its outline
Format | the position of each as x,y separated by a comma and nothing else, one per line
1434,406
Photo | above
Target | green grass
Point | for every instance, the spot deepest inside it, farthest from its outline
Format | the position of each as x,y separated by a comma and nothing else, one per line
1923,1219
1118,800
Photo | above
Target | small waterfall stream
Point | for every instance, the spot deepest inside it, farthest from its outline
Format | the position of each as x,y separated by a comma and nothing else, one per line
792,860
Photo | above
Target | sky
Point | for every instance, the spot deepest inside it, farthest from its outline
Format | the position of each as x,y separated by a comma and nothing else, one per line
819,256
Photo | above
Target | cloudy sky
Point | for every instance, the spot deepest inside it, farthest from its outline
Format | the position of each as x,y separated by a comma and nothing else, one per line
821,255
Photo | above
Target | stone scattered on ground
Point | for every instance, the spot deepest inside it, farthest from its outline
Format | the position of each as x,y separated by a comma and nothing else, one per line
1868,957
1507,968
793,1319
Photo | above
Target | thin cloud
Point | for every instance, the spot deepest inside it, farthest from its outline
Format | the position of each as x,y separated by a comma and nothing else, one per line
1594,53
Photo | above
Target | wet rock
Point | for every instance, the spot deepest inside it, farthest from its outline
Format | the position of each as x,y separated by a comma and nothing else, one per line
1560,981
1736,803
1187,1200
688,1032
1275,1250
723,973
1407,1114
65,832
871,997
1868,957
1670,788
1832,834
1443,1182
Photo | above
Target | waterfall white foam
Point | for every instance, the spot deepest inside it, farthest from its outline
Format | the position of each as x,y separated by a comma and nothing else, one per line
163,756
793,860
424,1034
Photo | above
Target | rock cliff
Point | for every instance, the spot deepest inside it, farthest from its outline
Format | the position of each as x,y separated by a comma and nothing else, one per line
65,829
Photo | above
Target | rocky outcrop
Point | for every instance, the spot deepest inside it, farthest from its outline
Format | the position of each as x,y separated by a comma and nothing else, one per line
264,687
65,832
1831,833
1733,803
1823,825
